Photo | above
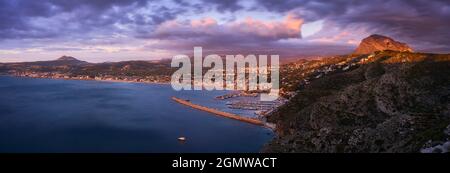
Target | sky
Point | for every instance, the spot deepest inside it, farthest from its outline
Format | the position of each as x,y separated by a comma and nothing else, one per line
120,30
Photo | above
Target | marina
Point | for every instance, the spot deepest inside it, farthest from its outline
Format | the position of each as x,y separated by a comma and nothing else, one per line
224,114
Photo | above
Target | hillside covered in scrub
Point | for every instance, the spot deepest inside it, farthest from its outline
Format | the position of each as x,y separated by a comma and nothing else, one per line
388,101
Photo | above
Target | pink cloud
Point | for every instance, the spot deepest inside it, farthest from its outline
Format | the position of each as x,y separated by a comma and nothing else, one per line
204,23
334,34
289,27
334,38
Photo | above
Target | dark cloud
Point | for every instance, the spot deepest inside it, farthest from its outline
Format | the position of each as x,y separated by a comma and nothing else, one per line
205,5
96,4
423,24
224,5
17,16
419,22
12,20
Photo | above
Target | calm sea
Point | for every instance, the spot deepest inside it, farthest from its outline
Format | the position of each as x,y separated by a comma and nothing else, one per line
46,115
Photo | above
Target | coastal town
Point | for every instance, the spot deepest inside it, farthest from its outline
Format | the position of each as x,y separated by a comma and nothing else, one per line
294,77
111,78
304,71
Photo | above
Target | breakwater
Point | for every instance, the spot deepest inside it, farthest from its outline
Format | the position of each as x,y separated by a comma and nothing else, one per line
223,114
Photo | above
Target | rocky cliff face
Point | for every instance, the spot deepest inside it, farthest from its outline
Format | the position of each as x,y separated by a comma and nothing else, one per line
378,43
392,102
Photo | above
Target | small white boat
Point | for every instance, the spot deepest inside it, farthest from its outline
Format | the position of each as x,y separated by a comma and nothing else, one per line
182,138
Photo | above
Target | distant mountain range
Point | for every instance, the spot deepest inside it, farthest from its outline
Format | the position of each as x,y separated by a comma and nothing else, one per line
71,68
64,60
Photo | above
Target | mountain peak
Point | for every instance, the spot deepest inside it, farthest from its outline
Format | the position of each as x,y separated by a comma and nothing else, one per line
378,36
376,42
67,58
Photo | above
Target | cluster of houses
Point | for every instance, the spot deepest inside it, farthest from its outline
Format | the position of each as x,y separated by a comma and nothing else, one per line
55,75
311,70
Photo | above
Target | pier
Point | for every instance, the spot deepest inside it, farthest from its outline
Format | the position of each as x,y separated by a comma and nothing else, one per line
223,114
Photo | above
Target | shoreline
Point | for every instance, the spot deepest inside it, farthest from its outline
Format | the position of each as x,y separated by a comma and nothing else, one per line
76,79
